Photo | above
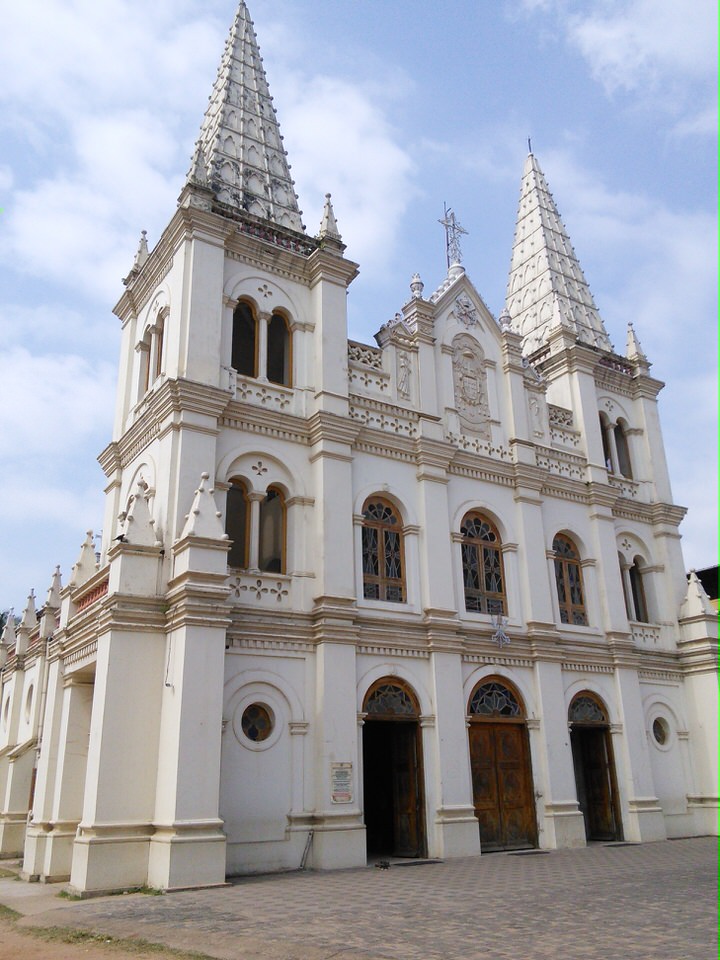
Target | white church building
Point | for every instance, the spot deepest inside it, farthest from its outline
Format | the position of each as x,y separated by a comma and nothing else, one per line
420,598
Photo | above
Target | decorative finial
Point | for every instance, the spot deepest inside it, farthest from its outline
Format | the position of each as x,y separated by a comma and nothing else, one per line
505,320
328,224
499,636
416,286
198,167
142,251
529,145
453,232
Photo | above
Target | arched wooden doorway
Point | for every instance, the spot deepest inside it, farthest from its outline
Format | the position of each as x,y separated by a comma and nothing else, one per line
393,799
500,765
594,767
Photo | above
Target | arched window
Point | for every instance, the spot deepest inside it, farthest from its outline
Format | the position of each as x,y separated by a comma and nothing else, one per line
495,698
278,351
158,344
382,552
623,450
482,565
244,341
271,555
637,588
607,452
237,523
568,581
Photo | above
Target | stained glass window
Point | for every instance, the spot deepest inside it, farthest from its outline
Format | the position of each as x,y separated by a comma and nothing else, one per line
257,723
390,699
382,553
482,565
493,699
586,709
568,580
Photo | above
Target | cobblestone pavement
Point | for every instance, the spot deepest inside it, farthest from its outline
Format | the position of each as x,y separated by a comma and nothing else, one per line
655,901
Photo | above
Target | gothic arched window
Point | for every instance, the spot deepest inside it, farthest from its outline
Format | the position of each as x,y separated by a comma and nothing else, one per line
623,449
271,554
382,552
237,523
482,565
278,351
568,581
637,588
244,341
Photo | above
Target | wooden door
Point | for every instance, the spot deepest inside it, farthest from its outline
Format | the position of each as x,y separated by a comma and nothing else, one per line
502,785
594,779
406,792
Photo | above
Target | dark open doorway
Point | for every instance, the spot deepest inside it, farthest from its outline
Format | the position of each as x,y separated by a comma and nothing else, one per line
392,774
594,769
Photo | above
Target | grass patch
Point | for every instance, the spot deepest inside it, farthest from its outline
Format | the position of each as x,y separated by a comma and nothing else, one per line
142,948
66,895
6,874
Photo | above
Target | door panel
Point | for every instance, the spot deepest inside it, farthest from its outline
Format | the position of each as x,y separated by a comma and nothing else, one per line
593,773
502,785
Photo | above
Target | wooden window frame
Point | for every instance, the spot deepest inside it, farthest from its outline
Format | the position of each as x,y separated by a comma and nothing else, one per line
571,614
250,307
288,382
240,485
490,602
381,581
274,488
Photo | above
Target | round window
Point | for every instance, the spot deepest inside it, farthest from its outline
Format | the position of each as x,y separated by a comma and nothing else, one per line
660,730
257,723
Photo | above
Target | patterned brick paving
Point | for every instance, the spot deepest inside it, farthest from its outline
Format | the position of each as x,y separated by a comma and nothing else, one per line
655,901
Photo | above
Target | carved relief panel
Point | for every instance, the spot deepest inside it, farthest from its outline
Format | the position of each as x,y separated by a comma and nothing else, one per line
470,384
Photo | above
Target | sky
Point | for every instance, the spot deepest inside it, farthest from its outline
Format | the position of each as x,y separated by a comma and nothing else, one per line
394,106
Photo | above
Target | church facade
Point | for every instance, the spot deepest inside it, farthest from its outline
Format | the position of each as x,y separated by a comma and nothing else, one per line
424,598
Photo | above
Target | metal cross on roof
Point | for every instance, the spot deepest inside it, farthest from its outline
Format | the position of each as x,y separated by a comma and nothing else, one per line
453,231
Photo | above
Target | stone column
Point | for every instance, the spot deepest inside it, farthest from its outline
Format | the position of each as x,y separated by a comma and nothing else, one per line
67,804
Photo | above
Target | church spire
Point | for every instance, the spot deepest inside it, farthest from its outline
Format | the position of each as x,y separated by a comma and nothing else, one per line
546,281
240,146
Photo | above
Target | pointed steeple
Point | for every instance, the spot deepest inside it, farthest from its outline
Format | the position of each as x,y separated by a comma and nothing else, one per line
328,225
546,281
86,564
204,519
27,624
633,347
240,147
51,607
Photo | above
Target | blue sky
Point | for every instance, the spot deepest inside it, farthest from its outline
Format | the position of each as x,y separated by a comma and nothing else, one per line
393,106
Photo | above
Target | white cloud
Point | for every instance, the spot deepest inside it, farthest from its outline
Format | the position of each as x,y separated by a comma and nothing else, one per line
630,45
342,143
50,406
661,52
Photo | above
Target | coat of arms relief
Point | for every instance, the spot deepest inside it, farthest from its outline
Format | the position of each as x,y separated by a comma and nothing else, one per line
470,383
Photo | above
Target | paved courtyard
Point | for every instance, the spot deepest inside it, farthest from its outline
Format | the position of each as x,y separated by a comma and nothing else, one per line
655,901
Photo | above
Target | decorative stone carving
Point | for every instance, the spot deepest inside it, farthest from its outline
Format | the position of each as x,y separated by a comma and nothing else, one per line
464,311
470,382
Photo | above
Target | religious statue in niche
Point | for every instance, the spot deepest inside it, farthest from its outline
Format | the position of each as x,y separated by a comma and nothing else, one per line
403,374
537,418
470,382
